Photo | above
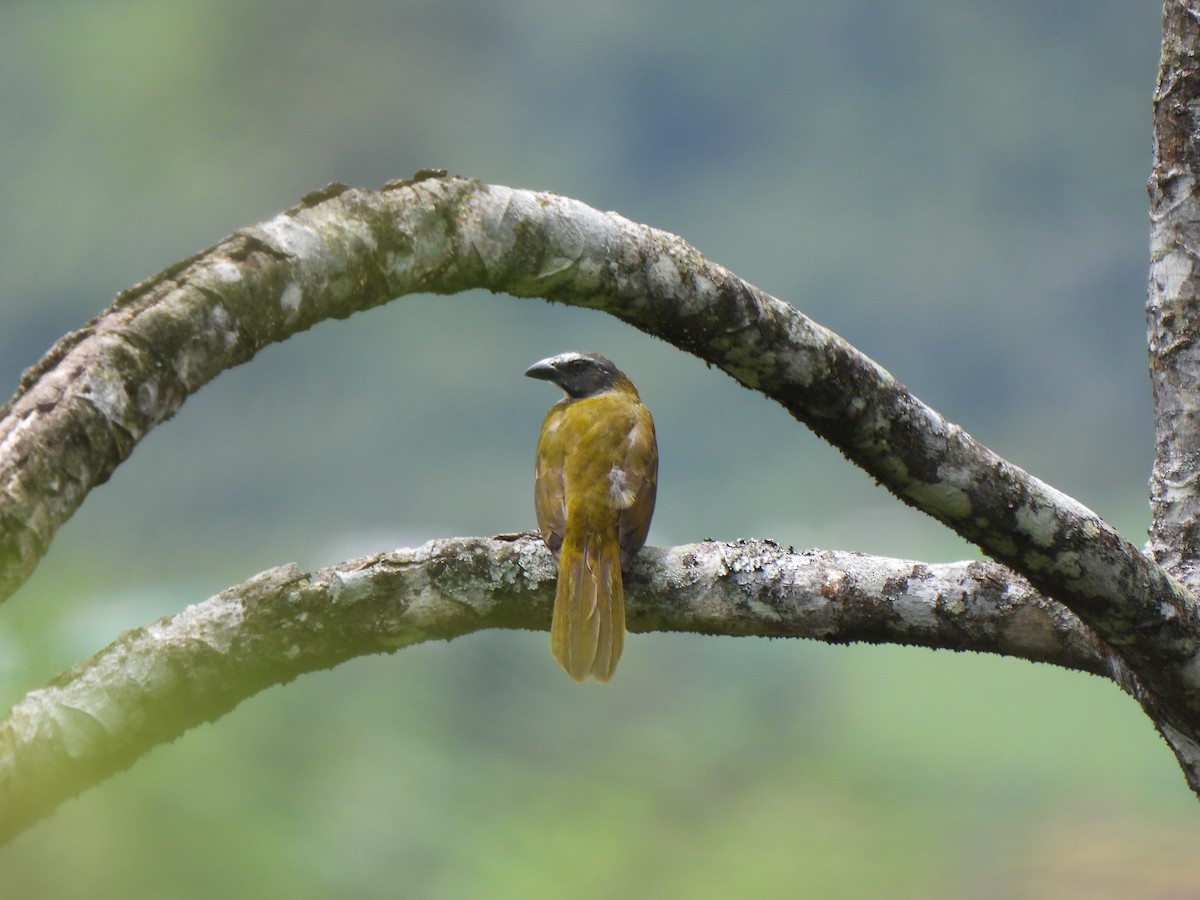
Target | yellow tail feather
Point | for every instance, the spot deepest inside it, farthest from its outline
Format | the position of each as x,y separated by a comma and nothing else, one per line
588,630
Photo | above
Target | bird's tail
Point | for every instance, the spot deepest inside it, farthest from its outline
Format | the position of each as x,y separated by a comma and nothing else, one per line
588,630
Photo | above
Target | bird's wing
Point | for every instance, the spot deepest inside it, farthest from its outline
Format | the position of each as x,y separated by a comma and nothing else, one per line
549,498
641,481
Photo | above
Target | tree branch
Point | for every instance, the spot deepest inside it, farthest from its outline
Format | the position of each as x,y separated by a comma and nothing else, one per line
80,411
1173,306
154,683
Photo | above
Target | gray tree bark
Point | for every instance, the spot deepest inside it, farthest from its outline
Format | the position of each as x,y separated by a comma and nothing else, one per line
154,683
1115,610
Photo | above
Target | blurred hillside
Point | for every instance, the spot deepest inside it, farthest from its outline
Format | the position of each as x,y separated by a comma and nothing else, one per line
955,187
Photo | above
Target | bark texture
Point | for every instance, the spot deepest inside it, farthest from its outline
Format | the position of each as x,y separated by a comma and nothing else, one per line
1173,305
1173,320
154,683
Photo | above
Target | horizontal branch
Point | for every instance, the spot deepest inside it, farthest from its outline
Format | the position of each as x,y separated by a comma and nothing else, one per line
154,683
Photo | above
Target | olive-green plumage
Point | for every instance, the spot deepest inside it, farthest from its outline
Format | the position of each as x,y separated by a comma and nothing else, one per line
595,480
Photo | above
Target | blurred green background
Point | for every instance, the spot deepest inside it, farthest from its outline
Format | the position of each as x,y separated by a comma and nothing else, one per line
956,187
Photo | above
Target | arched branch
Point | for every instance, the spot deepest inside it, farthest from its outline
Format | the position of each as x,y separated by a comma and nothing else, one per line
81,410
154,683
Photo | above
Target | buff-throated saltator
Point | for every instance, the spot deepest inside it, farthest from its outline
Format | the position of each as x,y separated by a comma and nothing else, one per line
595,479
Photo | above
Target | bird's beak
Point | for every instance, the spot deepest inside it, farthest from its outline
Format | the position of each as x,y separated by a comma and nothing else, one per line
542,369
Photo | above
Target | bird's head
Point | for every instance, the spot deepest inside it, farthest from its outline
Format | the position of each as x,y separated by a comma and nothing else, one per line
580,374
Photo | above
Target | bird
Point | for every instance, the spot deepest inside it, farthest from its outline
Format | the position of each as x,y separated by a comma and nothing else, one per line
595,482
